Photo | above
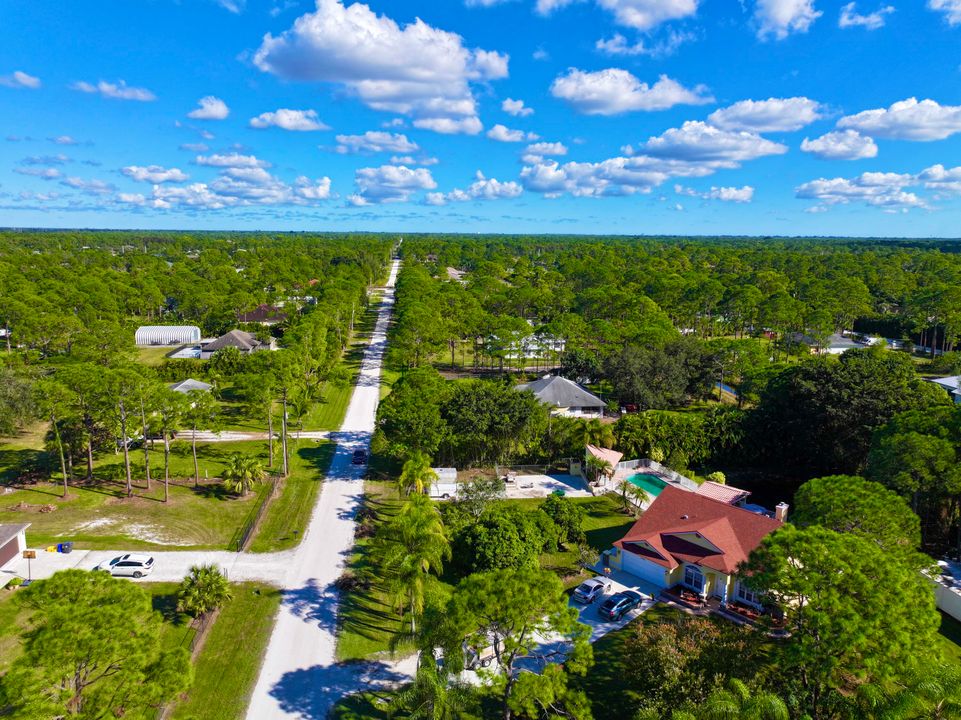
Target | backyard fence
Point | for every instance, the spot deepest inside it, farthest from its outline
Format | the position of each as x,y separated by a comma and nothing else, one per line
245,534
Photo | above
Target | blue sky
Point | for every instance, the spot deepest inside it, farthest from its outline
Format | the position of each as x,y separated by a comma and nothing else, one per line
618,116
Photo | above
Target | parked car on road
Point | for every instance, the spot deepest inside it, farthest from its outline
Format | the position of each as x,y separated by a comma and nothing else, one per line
360,457
129,565
619,604
589,590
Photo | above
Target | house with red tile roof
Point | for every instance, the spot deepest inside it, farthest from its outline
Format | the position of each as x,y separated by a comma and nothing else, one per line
695,541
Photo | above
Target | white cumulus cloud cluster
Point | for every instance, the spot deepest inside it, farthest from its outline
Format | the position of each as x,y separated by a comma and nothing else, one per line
724,194
389,183
286,119
483,188
780,18
210,108
516,108
155,174
771,115
841,145
615,91
374,141
850,17
908,120
637,14
116,91
950,8
415,70
502,133
888,191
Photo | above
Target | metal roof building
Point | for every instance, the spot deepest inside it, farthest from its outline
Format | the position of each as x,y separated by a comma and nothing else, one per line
167,334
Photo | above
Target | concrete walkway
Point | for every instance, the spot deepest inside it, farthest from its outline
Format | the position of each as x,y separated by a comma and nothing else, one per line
206,436
299,677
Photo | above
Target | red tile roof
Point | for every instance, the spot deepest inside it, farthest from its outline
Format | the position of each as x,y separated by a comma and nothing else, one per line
725,493
731,531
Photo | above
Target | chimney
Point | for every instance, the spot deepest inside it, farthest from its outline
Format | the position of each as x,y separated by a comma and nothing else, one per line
780,511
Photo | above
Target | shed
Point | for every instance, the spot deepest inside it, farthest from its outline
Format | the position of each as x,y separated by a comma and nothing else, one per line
167,335
188,385
13,541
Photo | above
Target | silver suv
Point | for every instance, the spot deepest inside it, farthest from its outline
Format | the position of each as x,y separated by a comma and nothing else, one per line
590,590
130,565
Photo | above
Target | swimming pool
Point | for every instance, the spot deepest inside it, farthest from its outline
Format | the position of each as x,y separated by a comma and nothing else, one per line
651,484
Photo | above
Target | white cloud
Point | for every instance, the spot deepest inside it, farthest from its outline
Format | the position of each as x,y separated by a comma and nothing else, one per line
850,17
908,120
233,160
646,14
841,145
536,152
195,195
637,14
516,108
117,91
482,188
63,140
725,194
389,183
58,159
614,91
44,173
771,115
19,79
195,147
285,119
154,174
501,133
210,108
415,70
618,45
234,6
132,199
698,142
312,189
451,126
374,141
88,187
410,160
944,181
950,8
884,190
780,18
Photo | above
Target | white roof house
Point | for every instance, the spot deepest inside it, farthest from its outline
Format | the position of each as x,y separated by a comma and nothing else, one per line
167,335
189,385
952,385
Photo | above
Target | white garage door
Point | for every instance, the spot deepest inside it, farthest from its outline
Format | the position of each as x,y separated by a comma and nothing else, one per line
643,569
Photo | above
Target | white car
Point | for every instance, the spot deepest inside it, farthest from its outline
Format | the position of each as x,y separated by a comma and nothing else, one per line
130,565
589,590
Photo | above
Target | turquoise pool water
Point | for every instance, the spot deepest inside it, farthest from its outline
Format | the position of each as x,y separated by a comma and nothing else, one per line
651,484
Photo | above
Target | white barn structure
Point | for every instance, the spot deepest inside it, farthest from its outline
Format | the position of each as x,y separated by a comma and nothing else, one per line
167,335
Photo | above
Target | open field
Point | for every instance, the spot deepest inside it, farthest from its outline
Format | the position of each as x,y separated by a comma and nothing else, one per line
100,516
227,667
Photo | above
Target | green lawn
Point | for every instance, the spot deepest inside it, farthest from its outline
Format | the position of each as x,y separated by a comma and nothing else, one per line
100,516
950,638
288,514
227,667
154,356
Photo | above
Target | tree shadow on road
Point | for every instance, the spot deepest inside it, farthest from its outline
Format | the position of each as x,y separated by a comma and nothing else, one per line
312,693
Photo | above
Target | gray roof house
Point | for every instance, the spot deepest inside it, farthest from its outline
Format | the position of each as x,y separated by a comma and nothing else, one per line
189,385
835,344
244,341
565,397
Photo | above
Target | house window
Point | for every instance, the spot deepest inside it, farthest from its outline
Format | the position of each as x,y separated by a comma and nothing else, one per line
746,594
694,578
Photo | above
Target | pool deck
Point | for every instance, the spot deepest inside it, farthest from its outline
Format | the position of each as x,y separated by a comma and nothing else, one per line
539,486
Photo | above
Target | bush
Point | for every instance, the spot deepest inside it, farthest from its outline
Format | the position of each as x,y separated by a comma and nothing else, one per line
567,516
717,476
15,582
503,537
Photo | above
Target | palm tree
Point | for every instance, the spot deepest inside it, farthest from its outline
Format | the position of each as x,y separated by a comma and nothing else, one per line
432,696
632,495
595,432
596,467
205,589
413,544
736,702
242,472
416,476
929,693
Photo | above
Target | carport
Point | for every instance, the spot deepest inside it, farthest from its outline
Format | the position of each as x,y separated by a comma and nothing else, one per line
13,541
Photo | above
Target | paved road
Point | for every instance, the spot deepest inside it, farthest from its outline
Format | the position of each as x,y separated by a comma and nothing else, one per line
206,436
299,677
